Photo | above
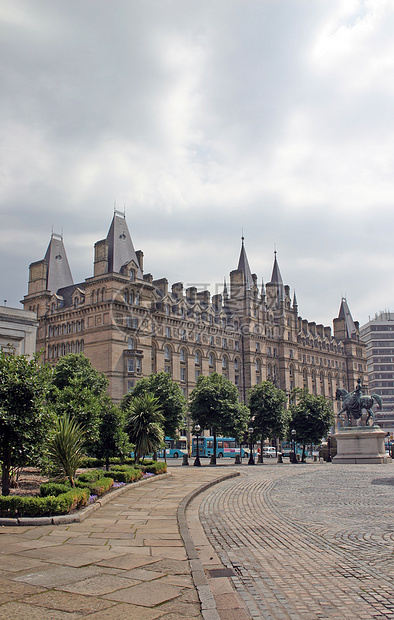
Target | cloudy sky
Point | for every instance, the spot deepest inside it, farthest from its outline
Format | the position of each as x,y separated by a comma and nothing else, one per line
203,119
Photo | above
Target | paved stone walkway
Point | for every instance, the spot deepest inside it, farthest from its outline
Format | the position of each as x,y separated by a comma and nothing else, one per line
304,542
127,560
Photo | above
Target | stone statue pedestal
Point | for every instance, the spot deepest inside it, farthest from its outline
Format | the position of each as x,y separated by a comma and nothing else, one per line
361,444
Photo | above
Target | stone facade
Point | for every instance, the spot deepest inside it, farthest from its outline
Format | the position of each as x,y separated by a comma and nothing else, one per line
130,324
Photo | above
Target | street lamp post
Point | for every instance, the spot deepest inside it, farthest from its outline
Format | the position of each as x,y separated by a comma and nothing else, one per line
251,457
197,429
293,452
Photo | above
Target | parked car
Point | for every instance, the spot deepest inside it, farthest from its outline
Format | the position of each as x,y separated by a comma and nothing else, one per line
269,452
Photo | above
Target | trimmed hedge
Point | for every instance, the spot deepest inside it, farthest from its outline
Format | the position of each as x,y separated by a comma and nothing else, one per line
122,473
18,506
96,487
53,488
156,467
88,461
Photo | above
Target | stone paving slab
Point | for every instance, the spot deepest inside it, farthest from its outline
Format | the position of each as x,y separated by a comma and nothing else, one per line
126,560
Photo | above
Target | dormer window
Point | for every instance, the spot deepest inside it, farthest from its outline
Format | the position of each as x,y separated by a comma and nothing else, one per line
132,275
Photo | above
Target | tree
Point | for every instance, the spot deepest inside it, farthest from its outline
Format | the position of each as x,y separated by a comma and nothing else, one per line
144,424
172,402
113,440
266,404
214,405
25,420
311,417
80,390
66,447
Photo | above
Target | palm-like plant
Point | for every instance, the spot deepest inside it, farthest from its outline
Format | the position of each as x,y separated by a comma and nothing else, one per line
66,446
144,424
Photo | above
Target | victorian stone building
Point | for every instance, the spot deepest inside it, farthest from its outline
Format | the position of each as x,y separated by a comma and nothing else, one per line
130,324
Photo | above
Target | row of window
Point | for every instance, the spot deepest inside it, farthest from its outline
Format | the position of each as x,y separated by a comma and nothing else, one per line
66,328
58,350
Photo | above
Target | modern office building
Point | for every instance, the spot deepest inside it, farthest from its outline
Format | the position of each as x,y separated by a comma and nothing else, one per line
18,329
378,336
130,324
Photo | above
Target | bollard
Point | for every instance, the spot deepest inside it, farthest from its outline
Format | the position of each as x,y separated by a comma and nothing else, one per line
280,457
185,460
237,459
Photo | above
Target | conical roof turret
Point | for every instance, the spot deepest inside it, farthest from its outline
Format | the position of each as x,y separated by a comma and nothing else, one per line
120,245
58,271
345,314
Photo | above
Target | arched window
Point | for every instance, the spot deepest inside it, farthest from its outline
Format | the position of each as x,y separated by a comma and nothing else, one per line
211,360
153,358
167,353
130,343
321,384
197,358
183,355
224,362
313,382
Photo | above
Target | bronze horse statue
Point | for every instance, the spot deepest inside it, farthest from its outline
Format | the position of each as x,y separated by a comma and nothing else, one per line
353,404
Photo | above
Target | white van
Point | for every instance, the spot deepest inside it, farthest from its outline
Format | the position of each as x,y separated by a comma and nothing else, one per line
269,451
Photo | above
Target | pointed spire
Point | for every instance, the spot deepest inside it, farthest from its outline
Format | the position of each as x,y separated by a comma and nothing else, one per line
225,291
58,272
276,275
345,314
120,245
295,304
262,289
243,265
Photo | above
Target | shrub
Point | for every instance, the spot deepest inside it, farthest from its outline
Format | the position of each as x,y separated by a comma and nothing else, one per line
155,467
88,461
124,474
53,488
97,486
90,476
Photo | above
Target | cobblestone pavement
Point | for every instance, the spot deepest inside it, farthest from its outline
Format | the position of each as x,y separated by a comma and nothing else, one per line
308,541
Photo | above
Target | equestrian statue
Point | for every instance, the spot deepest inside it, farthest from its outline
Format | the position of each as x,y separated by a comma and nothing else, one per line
353,404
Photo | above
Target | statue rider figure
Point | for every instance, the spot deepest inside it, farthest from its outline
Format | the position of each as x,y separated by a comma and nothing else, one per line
355,401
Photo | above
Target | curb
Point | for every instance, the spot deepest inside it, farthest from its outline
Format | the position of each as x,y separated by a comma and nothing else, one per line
207,600
79,516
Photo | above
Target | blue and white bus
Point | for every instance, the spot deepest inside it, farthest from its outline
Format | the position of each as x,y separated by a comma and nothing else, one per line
175,448
225,447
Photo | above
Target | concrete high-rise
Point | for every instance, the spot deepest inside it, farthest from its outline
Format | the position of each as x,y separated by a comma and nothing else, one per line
378,336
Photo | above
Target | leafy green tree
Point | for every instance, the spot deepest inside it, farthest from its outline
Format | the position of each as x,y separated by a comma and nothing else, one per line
66,447
311,417
80,390
25,420
214,404
113,439
144,424
266,404
172,402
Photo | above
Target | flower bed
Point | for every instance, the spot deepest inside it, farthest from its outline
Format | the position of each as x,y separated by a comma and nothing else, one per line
59,498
